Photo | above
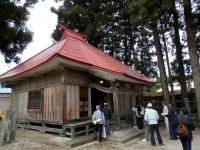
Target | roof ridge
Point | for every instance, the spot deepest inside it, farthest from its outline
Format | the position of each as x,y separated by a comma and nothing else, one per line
63,45
70,33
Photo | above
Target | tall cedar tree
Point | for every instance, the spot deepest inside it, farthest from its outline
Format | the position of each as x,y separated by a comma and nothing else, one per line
181,73
14,36
148,12
163,28
192,47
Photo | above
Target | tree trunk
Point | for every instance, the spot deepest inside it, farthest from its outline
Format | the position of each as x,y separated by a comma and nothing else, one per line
192,48
179,57
161,65
168,65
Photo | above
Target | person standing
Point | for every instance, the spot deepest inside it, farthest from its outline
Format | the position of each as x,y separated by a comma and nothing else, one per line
147,132
187,121
151,117
107,113
172,115
98,120
139,116
164,114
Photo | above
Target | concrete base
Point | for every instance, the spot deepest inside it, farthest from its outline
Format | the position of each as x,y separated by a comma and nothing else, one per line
124,135
80,140
121,136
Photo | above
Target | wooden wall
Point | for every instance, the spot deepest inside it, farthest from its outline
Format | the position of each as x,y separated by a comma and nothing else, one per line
125,103
47,80
20,103
5,101
61,90
76,78
61,96
53,104
57,77
71,103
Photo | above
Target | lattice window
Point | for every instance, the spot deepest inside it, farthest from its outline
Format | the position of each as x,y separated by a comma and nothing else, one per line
83,101
35,99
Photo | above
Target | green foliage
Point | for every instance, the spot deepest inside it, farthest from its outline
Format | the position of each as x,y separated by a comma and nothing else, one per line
152,87
14,36
146,11
107,26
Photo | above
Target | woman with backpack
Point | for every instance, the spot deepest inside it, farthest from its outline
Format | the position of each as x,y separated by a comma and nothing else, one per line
184,129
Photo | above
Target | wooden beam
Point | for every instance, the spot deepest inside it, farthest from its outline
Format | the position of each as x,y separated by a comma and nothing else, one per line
101,88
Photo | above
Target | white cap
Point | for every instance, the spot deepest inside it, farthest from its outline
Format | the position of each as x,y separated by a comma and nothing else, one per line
149,105
105,104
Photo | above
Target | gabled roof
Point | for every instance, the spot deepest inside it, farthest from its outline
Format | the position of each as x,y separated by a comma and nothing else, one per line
73,48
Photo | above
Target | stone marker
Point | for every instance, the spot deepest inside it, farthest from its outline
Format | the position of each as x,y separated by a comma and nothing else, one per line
8,128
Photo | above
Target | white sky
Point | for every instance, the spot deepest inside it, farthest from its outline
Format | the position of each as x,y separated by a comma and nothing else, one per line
42,23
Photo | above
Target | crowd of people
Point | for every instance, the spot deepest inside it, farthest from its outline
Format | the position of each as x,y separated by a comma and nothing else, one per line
178,125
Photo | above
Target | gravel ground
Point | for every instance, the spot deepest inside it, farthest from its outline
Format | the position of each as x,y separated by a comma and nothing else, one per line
34,140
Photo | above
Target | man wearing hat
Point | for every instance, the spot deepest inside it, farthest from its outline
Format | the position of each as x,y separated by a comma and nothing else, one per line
107,113
151,117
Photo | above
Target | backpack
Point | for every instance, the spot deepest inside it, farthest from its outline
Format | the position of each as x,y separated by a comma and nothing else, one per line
182,130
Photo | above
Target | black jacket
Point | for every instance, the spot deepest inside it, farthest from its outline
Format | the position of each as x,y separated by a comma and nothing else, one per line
172,115
107,113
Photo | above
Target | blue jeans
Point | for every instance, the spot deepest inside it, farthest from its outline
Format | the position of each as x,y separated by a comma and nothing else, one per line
186,143
172,130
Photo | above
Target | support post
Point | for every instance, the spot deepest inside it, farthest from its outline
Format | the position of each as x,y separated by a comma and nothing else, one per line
89,103
134,104
116,107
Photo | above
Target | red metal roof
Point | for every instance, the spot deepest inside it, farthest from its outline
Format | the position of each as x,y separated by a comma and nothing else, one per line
72,46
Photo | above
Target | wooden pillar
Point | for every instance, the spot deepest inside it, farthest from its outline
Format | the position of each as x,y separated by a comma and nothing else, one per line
63,81
134,104
116,108
89,103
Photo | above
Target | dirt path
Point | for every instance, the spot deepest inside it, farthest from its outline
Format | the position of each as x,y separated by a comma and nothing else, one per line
33,140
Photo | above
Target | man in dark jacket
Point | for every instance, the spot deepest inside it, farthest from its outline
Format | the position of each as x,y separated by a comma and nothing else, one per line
186,120
107,113
172,115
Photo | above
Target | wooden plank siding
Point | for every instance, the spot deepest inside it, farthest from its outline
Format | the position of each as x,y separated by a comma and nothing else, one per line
125,103
5,101
61,95
54,78
36,82
14,101
76,78
53,104
19,101
71,103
